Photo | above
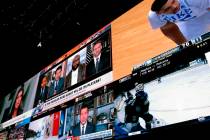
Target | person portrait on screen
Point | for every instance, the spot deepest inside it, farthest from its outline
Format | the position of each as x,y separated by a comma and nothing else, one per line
44,90
180,20
17,109
57,84
77,73
100,61
83,127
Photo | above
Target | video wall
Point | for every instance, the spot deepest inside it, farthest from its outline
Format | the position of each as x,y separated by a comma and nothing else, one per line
92,60
123,80
84,70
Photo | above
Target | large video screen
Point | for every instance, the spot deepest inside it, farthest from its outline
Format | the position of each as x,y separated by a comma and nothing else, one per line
92,60
5,106
90,116
48,127
162,90
168,89
20,100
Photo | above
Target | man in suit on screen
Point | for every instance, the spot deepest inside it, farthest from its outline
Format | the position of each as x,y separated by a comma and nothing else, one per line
43,92
57,84
83,127
100,61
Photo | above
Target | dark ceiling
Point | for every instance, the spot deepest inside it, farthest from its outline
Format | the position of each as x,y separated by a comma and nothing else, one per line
58,24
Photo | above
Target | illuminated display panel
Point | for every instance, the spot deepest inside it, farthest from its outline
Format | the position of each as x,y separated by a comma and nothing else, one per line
165,90
78,69
20,100
131,41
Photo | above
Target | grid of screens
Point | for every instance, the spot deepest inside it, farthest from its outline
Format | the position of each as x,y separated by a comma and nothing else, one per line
91,61
77,96
79,68
160,92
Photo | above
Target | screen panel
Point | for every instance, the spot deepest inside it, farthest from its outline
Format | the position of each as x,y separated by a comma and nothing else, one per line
132,34
94,108
6,103
130,41
78,73
47,127
168,89
19,101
